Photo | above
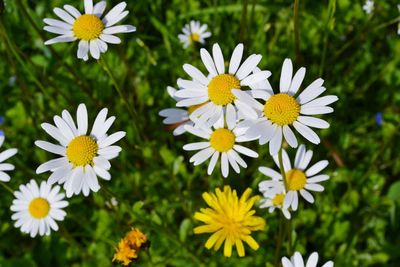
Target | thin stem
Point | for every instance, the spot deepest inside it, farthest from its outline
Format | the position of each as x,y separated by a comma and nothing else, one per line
296,30
7,187
280,240
243,22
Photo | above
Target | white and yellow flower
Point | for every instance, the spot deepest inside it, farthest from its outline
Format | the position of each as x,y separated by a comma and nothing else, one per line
215,88
36,209
92,31
83,156
273,198
221,144
273,119
194,32
6,154
299,179
297,261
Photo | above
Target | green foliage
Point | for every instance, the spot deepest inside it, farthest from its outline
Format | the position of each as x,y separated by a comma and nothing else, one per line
355,222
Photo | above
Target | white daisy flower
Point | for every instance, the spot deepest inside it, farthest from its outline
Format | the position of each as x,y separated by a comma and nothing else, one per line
297,261
36,209
273,198
368,6
4,177
215,89
221,143
194,32
272,121
299,179
83,156
93,31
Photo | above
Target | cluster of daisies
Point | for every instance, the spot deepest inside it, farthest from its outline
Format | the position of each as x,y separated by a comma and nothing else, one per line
225,106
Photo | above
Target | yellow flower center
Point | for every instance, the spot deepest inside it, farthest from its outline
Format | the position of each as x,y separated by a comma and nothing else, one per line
220,89
278,200
194,37
81,150
88,27
282,109
39,208
222,140
296,179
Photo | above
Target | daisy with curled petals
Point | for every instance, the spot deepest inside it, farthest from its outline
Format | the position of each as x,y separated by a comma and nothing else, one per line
37,208
221,143
297,261
280,112
230,219
215,88
273,199
4,177
194,32
83,156
299,179
92,31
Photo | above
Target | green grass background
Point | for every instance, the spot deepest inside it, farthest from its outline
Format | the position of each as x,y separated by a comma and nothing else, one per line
355,222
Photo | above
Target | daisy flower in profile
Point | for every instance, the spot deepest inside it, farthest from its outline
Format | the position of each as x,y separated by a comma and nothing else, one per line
230,219
194,32
82,156
36,209
92,31
4,177
299,179
273,198
280,112
368,6
297,261
215,88
221,143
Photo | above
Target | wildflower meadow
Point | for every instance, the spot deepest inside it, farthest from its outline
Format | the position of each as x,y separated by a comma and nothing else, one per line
199,133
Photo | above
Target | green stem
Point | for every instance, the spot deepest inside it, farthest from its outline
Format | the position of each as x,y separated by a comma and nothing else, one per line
280,240
296,31
7,187
243,22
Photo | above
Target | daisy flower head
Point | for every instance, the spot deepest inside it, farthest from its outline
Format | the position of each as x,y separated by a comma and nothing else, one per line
297,261
215,88
194,32
221,143
230,219
82,156
37,208
91,29
299,179
273,198
6,154
274,119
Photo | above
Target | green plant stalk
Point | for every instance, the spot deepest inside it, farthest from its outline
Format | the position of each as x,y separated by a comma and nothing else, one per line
7,187
243,22
280,239
296,30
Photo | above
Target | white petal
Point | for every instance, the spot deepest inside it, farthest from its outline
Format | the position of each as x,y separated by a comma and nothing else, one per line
52,165
195,74
94,49
312,260
8,154
82,118
55,149
108,38
208,62
307,196
88,6
286,76
83,49
119,29
212,163
230,116
218,59
316,168
196,146
248,66
57,23
236,58
73,11
245,151
305,131
314,187
57,30
289,136
114,15
299,156
255,78
102,173
318,178
312,91
313,122
276,141
99,8
314,110
298,260
297,80
62,14
224,165
270,173
109,140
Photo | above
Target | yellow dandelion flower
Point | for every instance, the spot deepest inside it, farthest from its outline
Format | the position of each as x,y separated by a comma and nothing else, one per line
230,219
136,238
125,253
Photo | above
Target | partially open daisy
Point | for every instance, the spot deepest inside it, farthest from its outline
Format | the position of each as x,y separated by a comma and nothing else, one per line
297,261
273,198
230,219
194,32
279,112
221,143
299,179
215,89
6,154
36,209
93,31
83,156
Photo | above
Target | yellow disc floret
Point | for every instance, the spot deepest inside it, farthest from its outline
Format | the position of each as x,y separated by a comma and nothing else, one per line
194,37
277,201
296,179
88,27
220,89
39,208
222,140
282,109
81,150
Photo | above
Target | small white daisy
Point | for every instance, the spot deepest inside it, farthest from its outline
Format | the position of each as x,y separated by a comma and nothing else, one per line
273,198
299,179
221,143
83,156
36,209
215,89
93,31
4,177
272,121
297,261
194,32
368,6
